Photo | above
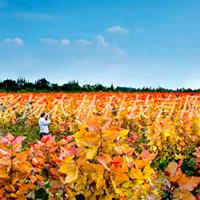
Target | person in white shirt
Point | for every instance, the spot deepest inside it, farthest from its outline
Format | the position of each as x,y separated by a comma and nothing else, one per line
44,122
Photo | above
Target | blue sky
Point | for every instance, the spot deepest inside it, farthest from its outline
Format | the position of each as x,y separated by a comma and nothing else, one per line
125,42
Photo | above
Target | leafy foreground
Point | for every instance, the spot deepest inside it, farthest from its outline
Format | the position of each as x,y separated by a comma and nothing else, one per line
103,146
99,164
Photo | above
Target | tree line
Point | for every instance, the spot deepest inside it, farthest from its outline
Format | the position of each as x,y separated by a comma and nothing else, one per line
22,85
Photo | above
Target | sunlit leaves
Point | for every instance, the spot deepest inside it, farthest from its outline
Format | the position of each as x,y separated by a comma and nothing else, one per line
114,146
69,168
185,183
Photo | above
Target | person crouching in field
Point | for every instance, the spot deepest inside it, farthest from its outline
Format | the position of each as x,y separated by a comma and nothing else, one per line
44,122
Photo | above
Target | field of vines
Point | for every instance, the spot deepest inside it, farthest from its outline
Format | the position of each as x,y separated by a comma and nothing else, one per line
102,146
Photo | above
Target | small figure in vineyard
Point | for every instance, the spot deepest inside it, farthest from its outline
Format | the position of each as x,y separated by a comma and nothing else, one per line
44,122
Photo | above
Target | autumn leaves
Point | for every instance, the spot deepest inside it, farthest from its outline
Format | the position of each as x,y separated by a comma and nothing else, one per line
101,152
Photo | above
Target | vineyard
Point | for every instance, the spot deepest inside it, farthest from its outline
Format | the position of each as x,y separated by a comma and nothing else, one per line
102,146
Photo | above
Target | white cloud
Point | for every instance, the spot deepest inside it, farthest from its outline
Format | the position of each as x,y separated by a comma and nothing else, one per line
65,42
49,41
101,41
52,41
118,30
84,42
33,15
16,41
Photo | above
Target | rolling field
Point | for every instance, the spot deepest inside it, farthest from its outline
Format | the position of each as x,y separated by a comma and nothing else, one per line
102,146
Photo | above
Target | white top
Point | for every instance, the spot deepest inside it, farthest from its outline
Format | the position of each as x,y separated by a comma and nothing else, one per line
43,125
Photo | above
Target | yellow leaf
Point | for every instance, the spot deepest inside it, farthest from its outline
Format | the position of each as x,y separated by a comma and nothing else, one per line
99,175
87,139
4,172
123,133
91,153
109,135
23,167
148,171
72,176
166,134
183,195
139,163
69,168
136,174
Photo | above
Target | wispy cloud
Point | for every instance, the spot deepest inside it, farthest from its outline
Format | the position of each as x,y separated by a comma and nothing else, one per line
117,30
52,41
84,42
49,41
65,42
101,41
118,51
15,41
33,15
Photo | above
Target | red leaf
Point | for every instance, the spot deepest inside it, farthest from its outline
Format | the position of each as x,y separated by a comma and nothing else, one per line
116,161
104,159
190,183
